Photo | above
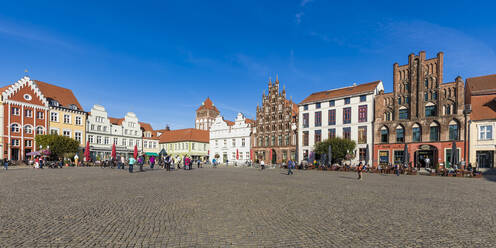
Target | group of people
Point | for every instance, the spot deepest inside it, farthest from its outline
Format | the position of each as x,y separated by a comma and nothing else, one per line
166,162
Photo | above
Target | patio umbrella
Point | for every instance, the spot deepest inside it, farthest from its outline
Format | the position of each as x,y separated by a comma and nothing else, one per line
113,154
251,154
329,149
454,154
135,155
406,157
163,152
36,153
237,154
87,152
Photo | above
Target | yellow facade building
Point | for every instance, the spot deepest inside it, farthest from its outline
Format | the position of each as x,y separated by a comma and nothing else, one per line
66,117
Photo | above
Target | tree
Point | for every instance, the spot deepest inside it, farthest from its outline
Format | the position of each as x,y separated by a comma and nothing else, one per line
340,148
59,145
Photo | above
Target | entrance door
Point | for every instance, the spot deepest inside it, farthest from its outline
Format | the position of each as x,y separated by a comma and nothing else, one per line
14,154
274,157
224,157
26,151
485,159
422,157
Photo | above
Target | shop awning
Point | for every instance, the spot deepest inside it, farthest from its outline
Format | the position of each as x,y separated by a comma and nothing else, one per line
151,154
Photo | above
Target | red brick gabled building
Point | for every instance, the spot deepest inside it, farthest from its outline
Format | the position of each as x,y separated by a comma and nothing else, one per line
23,114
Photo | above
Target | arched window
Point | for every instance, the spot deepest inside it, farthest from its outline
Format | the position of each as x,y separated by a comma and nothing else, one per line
430,109
14,128
384,135
40,130
28,129
403,113
434,131
454,130
400,134
416,133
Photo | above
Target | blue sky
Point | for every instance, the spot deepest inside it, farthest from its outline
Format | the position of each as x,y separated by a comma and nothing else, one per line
161,59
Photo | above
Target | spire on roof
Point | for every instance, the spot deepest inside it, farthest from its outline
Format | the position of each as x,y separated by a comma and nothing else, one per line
277,78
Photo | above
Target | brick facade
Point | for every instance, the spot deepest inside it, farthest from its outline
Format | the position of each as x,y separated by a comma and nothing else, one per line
420,108
274,136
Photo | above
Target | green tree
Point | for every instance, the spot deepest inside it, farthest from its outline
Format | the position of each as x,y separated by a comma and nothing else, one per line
59,145
340,148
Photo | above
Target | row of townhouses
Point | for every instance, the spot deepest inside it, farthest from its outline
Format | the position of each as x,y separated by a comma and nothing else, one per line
423,111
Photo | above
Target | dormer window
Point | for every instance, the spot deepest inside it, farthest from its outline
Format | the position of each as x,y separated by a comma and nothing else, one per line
73,106
54,103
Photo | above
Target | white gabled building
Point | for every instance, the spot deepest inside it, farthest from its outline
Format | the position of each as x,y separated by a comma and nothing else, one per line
103,131
231,140
346,112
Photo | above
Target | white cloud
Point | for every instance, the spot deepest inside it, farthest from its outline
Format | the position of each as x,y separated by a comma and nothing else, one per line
305,2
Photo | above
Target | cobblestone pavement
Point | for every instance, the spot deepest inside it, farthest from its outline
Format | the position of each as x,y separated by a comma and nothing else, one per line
93,207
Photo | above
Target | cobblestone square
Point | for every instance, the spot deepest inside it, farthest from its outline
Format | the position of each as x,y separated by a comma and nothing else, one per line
93,207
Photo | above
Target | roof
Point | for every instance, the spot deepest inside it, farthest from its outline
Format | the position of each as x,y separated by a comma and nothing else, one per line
347,91
116,121
64,96
208,104
229,123
482,85
483,107
249,121
189,134
148,128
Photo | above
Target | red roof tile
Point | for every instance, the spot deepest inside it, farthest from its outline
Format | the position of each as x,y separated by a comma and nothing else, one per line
482,85
208,104
347,91
189,134
64,96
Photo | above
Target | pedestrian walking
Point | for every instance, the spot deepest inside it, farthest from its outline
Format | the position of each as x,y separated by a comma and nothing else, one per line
187,163
132,161
5,164
141,161
123,162
290,166
119,163
397,169
359,170
152,162
262,165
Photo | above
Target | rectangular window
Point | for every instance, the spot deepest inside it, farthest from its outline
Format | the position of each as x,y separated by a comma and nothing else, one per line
243,143
384,157
346,115
399,156
332,117
286,138
434,133
131,142
347,100
430,111
279,140
305,120
318,119
362,135
78,136
426,96
234,142
15,142
192,146
54,131
403,114
67,119
90,138
332,103
332,133
145,144
66,133
317,105
362,113
305,138
40,115
28,113
124,142
347,133
106,140
54,116
98,139
28,143
486,132
78,120
362,154
305,107
15,111
363,98
318,136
